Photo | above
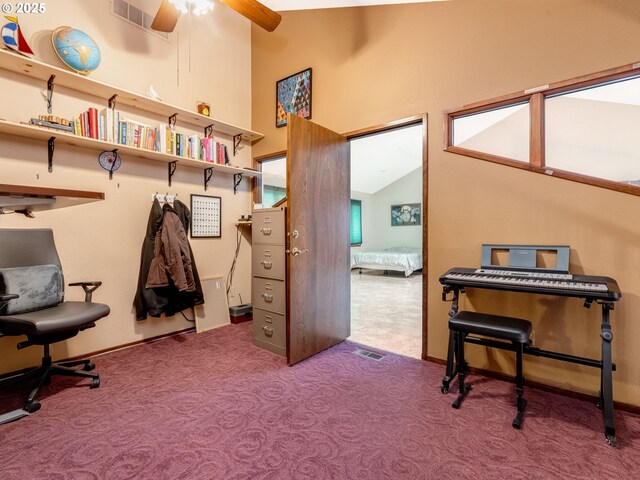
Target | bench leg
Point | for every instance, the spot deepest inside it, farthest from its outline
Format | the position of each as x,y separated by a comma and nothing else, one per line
521,403
461,367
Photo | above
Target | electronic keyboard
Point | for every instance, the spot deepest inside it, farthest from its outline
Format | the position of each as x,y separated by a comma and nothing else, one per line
534,282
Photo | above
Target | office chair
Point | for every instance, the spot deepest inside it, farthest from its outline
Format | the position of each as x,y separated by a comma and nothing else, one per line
32,304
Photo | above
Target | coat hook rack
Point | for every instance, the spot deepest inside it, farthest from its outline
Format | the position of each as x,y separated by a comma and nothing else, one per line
171,169
112,101
208,130
50,94
208,173
237,140
237,178
172,120
50,148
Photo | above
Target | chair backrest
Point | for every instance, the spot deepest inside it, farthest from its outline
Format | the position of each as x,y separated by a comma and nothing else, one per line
26,247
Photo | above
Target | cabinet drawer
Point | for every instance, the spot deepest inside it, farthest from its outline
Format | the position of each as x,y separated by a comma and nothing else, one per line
268,226
268,261
268,294
269,331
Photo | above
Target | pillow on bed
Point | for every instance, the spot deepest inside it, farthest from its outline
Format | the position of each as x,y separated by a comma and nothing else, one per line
39,286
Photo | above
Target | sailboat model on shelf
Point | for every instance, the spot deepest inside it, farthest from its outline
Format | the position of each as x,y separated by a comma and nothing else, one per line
13,38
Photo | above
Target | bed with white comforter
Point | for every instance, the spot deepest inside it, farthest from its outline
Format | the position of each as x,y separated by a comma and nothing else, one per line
403,259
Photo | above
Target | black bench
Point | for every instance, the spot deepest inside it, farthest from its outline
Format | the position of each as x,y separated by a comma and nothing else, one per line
514,330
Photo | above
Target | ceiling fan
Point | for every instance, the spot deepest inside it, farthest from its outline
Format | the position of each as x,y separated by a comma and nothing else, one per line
169,11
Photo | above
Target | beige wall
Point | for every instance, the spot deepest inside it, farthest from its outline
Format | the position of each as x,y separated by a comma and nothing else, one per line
377,64
102,240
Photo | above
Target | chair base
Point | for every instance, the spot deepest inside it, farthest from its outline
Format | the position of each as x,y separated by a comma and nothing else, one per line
44,374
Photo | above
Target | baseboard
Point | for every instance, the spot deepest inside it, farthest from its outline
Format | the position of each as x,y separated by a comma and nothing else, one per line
625,407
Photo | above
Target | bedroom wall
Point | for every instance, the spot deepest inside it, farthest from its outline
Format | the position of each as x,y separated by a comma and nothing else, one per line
102,240
407,189
377,64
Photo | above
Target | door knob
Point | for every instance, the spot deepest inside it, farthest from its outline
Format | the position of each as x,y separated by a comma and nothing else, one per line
295,251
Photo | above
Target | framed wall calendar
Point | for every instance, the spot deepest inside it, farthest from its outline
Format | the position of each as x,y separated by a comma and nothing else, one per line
206,212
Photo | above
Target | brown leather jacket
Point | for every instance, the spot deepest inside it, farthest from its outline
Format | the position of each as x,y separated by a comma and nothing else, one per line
171,257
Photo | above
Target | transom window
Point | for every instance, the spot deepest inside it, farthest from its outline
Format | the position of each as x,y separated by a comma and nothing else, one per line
583,130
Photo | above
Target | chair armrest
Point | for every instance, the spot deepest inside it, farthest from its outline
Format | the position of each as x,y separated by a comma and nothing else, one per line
5,297
88,287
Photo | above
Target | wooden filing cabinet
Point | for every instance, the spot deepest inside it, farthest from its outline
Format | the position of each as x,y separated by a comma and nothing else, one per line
268,289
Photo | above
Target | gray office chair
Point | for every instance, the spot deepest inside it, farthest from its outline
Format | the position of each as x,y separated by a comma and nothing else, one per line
32,304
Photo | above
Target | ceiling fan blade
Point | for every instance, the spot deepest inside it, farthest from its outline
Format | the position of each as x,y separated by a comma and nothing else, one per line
256,12
166,18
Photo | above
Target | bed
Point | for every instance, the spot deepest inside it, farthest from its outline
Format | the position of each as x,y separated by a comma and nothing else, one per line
402,259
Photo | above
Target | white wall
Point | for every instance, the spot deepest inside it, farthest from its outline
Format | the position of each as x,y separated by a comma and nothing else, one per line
102,240
378,233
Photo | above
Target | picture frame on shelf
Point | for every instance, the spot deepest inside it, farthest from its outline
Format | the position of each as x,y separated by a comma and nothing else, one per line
293,95
206,216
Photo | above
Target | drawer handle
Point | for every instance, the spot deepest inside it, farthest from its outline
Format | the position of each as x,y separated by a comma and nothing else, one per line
266,265
268,331
266,231
267,297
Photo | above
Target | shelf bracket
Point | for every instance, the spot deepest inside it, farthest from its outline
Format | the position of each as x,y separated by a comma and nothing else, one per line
237,178
50,93
208,130
112,101
113,164
172,120
50,148
237,140
171,169
208,173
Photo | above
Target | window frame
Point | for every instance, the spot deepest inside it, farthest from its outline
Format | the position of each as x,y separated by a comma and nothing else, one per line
536,98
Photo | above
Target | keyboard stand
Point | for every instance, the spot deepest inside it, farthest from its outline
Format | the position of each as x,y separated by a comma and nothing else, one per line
605,364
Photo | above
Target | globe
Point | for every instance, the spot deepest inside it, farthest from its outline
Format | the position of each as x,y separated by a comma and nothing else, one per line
76,49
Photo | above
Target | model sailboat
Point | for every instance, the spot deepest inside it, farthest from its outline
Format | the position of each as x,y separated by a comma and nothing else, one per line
13,38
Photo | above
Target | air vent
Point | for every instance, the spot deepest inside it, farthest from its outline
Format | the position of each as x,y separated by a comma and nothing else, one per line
133,15
368,354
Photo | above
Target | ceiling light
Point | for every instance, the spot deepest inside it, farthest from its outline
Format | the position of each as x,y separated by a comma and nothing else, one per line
199,6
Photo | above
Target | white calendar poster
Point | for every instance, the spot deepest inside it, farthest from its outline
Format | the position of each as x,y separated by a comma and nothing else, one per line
206,212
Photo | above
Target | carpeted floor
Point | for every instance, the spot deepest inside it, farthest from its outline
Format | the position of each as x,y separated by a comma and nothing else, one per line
212,406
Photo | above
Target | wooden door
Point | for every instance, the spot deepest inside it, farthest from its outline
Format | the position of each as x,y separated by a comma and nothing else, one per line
318,242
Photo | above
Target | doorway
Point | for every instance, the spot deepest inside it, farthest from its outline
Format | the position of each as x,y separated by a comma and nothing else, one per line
386,240
410,304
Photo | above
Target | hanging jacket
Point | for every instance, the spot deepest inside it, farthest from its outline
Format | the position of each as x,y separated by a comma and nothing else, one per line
171,257
166,299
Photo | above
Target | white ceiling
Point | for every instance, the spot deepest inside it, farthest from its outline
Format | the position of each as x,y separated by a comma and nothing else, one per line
284,5
376,160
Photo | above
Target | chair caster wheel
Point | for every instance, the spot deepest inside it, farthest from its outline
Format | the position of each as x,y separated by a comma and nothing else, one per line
95,383
33,406
89,366
444,389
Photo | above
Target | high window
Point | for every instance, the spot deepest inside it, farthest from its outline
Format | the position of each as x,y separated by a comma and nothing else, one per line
583,129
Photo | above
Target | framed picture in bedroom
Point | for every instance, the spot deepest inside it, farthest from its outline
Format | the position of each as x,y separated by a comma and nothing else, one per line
406,214
206,213
293,95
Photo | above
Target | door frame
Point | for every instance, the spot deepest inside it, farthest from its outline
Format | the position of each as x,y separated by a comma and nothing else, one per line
404,122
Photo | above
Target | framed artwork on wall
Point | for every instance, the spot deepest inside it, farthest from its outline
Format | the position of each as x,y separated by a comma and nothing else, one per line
293,95
406,214
206,212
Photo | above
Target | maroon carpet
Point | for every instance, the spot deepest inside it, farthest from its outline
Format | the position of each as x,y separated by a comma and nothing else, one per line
212,406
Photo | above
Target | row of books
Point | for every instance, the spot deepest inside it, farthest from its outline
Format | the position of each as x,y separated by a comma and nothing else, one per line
110,126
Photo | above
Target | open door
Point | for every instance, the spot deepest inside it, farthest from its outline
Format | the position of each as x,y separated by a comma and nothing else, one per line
318,193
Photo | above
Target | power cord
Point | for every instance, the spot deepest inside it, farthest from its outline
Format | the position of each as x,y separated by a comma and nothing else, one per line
235,257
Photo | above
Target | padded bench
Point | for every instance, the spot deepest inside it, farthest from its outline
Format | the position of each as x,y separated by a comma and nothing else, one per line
514,330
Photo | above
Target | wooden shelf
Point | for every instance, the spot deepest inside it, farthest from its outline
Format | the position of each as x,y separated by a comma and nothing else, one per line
23,197
30,131
66,78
